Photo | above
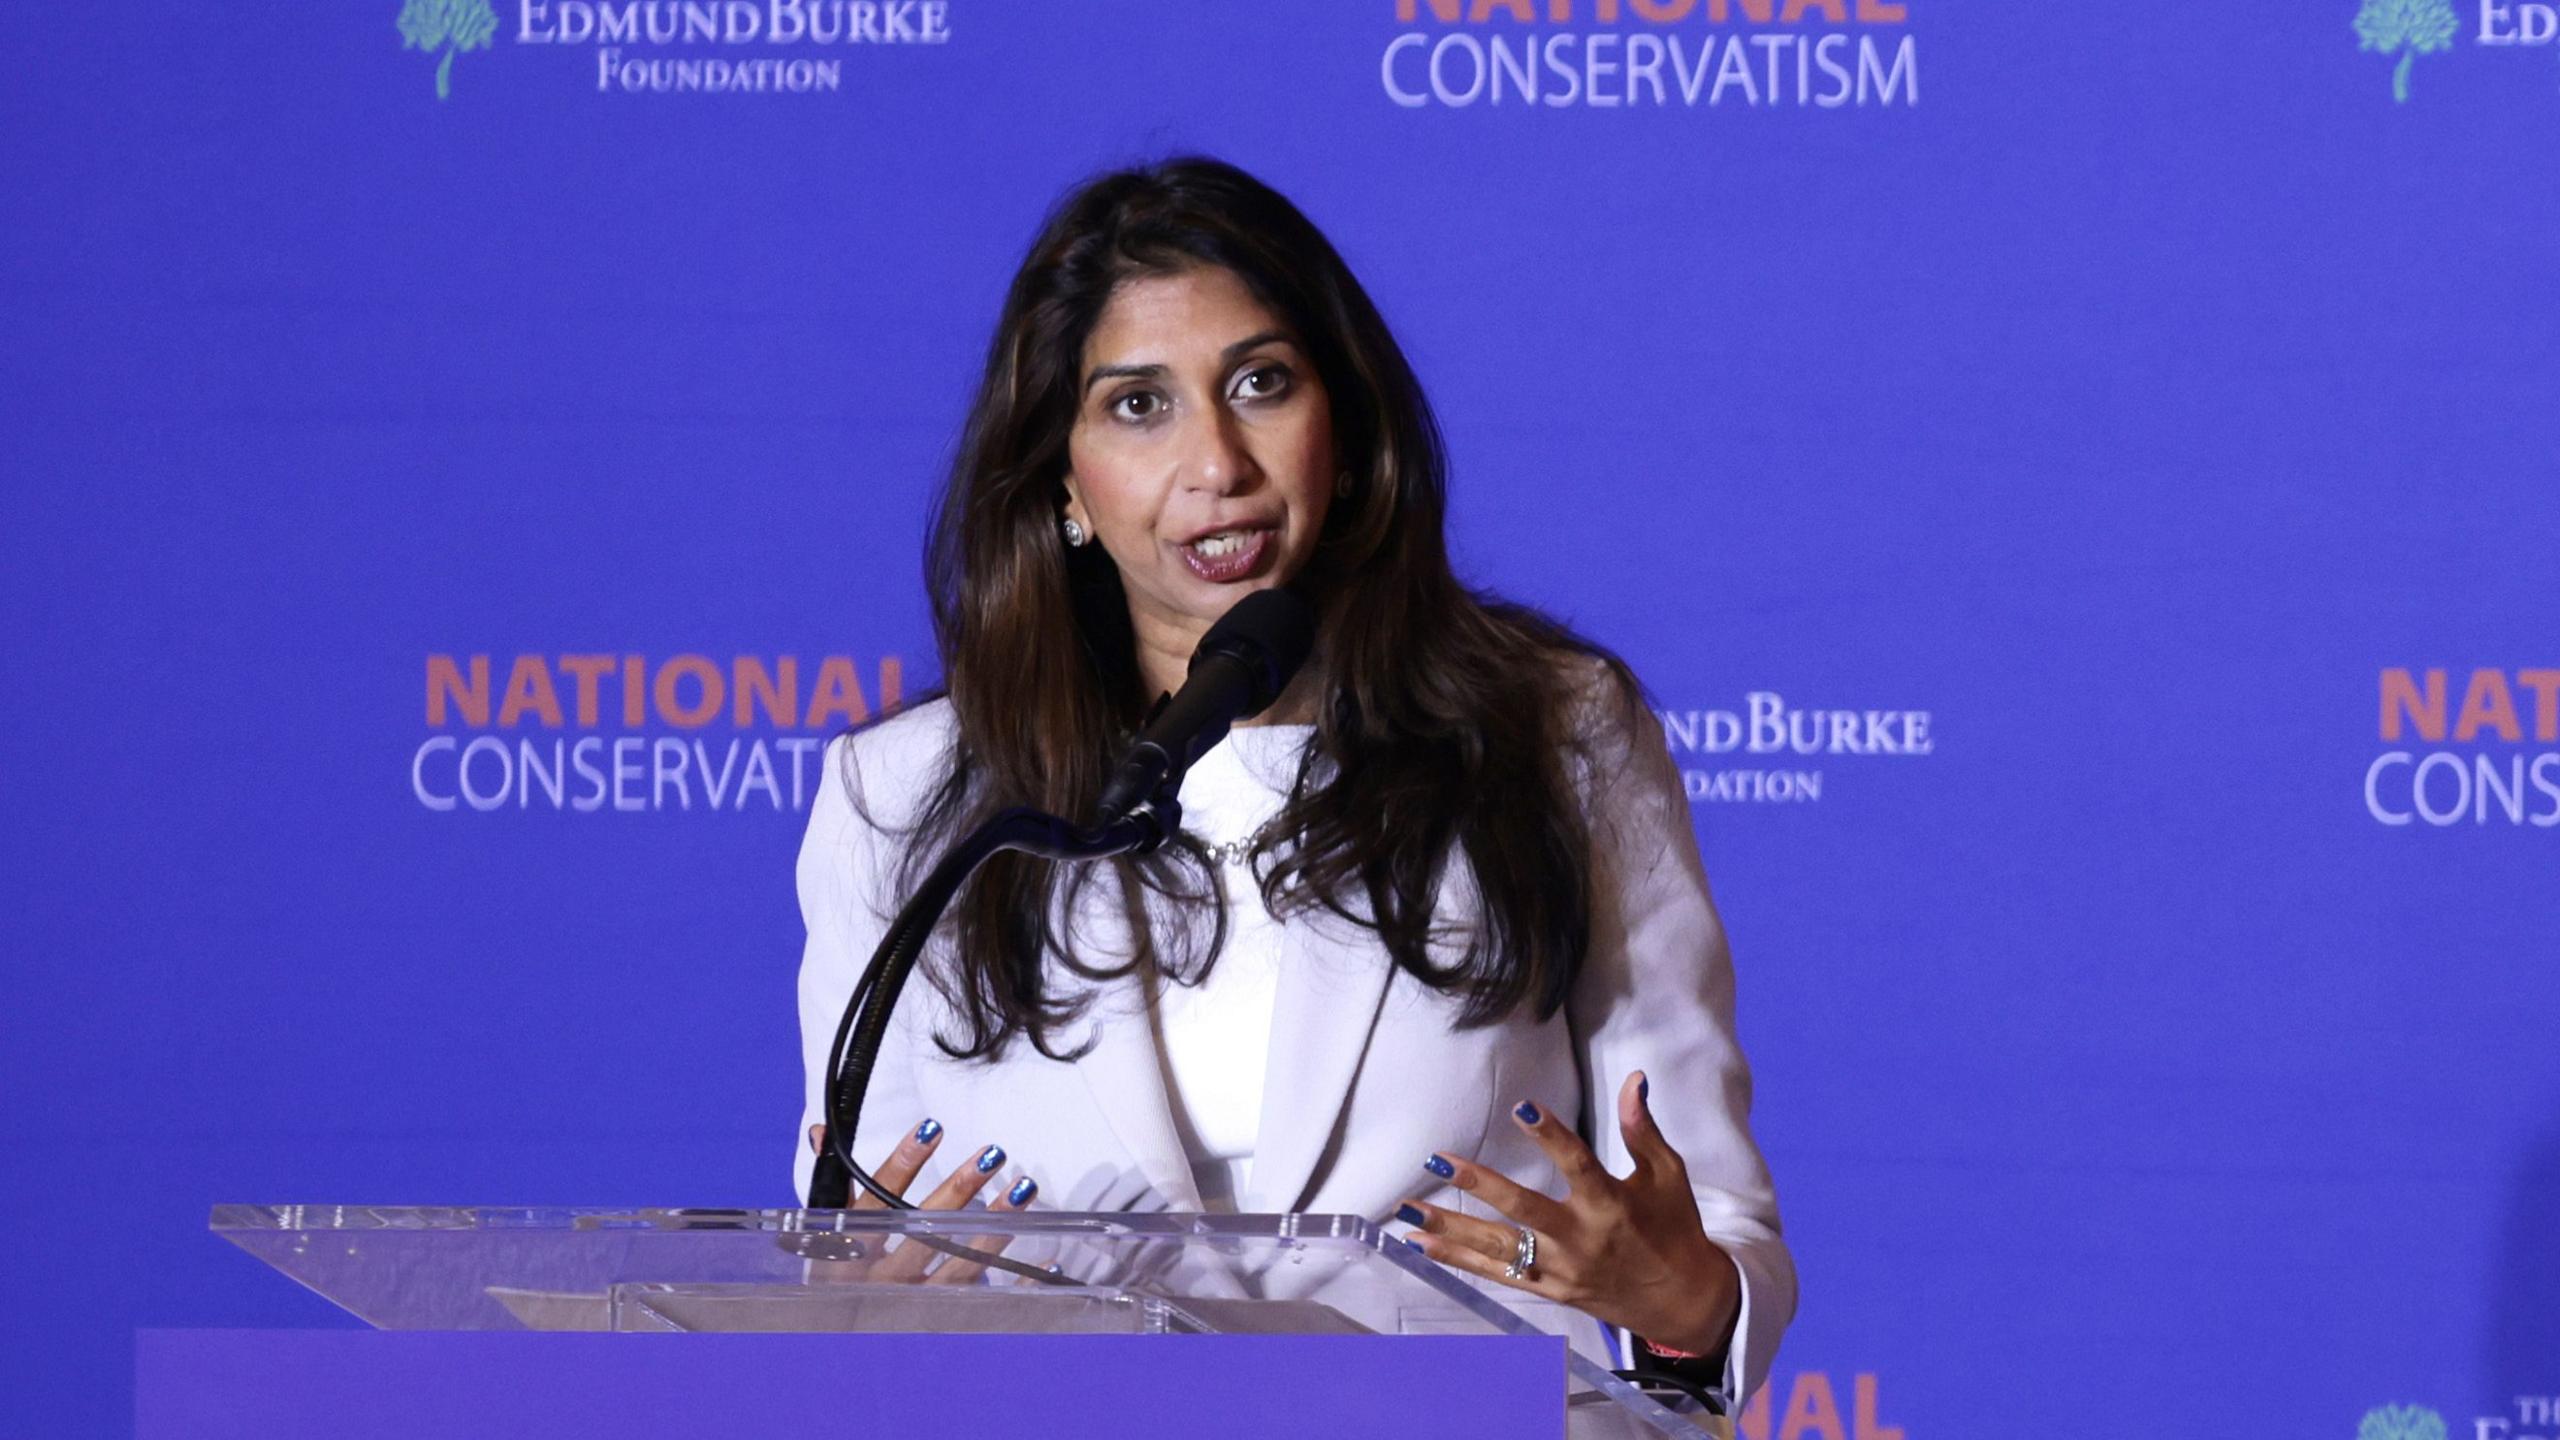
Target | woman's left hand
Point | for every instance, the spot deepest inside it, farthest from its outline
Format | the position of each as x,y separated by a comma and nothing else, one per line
1631,1252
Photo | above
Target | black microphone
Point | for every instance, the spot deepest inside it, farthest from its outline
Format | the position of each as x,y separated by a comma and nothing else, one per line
1240,667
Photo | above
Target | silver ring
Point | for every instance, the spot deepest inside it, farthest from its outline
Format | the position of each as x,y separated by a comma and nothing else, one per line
1524,1256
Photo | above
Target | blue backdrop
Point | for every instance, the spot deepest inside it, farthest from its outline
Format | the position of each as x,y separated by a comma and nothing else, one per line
2138,402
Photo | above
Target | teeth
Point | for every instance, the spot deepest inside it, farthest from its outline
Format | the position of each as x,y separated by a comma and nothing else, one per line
1225,542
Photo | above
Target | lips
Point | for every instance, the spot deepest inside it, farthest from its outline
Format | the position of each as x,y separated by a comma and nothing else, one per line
1225,556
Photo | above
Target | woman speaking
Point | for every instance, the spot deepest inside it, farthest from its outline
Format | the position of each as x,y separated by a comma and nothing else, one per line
1435,943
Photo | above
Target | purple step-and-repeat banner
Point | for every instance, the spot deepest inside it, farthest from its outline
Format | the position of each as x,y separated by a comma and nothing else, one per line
2082,482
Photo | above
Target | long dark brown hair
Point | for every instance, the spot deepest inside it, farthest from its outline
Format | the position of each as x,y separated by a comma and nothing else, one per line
1447,719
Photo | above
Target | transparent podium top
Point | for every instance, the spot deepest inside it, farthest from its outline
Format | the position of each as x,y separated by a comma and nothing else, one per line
974,1271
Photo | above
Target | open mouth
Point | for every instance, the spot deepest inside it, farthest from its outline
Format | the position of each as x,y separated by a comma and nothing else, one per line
1226,556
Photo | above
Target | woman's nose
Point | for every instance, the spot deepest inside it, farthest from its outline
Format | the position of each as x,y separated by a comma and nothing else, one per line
1220,461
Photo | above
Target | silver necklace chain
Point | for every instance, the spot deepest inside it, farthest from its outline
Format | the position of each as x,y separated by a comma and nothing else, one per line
1234,851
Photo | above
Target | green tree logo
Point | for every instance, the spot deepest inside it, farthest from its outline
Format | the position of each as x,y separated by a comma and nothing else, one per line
2400,1422
2412,27
454,24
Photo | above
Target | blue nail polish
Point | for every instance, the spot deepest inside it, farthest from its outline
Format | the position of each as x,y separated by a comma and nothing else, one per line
988,1162
1022,1191
1527,1112
1644,1088
1415,1245
1440,1167
926,1132
1409,1215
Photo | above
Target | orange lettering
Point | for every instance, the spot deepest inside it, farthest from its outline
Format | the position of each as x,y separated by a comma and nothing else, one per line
706,704
635,688
1664,12
529,688
1753,1423
750,683
2400,700
1834,11
893,683
839,692
2486,701
1866,1426
444,683
1756,11
588,669
2545,685
1878,12
1521,10
1445,10
1811,1407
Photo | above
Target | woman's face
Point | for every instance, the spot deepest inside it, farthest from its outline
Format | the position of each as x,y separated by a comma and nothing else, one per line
1202,454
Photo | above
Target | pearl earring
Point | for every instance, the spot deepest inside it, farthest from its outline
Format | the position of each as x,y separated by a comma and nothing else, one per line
1073,531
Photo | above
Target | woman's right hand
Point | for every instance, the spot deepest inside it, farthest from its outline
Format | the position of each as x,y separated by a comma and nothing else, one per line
908,1263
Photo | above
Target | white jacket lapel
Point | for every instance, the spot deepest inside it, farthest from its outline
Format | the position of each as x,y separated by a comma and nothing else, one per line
1126,1076
1326,1009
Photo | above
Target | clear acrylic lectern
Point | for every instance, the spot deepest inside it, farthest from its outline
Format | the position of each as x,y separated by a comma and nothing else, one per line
439,1268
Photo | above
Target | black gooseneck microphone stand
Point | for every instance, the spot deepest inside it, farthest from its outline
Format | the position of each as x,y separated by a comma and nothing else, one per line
866,1015
1241,666
1250,655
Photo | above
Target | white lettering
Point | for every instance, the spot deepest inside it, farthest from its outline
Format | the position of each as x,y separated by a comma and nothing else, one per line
583,756
713,788
1387,73
666,767
1770,45
1734,69
1768,713
626,773
1691,76
1842,87
2441,760
2509,789
801,749
1466,45
1644,65
1517,64
759,773
1905,74
418,772
529,773
2372,790
1595,69
485,745
1562,69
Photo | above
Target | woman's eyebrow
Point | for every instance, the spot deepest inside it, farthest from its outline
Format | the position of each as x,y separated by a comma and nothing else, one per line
1227,356
1264,337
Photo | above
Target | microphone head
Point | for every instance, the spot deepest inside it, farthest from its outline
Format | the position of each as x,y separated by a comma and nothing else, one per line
1270,632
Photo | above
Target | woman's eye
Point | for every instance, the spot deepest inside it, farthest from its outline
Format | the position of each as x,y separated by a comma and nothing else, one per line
1263,383
1137,405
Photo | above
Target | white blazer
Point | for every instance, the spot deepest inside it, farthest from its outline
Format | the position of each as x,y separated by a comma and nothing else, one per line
1367,1075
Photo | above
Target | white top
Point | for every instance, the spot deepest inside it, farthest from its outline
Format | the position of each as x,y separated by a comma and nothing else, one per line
1215,1037
1378,1068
